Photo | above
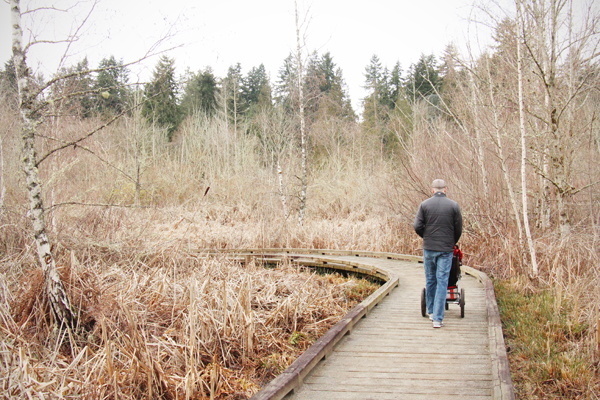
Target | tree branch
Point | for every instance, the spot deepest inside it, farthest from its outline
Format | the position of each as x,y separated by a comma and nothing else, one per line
75,203
76,146
91,133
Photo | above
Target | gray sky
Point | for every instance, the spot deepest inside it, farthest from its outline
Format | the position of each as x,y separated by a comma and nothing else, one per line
221,33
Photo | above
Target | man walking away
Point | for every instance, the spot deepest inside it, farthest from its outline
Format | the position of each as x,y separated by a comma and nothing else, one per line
439,223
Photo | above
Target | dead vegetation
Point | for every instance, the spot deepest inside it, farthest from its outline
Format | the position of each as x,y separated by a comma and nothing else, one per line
164,324
161,321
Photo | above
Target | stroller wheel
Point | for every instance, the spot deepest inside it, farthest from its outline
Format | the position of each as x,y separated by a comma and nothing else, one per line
423,304
446,306
462,303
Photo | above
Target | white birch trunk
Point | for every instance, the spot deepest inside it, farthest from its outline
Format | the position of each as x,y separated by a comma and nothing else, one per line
57,296
511,193
524,144
480,150
303,141
281,188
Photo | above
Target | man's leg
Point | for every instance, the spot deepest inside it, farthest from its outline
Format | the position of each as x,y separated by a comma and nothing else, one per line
429,261
444,263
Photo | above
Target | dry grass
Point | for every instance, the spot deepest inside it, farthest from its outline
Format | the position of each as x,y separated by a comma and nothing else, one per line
550,350
164,324
140,286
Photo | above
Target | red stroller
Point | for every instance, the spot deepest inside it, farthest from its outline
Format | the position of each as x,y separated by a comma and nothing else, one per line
455,295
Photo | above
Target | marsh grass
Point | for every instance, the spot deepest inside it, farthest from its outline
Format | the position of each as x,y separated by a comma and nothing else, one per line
165,324
161,321
553,349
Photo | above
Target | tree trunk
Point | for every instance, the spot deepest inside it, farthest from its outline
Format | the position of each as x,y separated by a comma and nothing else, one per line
281,188
480,148
524,143
303,140
511,193
57,296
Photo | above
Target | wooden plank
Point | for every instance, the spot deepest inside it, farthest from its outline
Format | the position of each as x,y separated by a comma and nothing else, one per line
335,395
394,353
503,386
293,376
377,342
406,388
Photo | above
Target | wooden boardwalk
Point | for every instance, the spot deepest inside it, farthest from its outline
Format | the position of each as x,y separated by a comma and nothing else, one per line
396,354
384,349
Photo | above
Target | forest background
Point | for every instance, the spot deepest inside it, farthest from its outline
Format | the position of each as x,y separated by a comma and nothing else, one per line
202,161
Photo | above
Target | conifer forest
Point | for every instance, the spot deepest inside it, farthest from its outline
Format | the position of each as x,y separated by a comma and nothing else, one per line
109,188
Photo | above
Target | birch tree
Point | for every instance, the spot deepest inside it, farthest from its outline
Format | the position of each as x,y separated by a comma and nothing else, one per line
35,103
532,254
2,188
501,153
29,108
563,51
276,138
303,136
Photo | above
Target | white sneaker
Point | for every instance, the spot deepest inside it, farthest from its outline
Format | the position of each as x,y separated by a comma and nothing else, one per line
438,324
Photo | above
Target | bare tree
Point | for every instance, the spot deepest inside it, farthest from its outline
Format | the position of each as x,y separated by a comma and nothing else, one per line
35,104
2,187
303,136
532,254
276,137
501,153
30,118
478,138
557,50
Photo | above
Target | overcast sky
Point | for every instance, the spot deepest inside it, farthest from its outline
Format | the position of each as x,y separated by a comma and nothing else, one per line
220,33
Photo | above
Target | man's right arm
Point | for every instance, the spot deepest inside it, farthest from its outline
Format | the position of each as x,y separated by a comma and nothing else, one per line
458,224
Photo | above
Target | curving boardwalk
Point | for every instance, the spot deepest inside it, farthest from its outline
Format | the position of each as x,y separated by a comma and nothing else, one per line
384,348
396,354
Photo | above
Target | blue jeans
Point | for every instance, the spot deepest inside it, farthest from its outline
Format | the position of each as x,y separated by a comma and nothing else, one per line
437,271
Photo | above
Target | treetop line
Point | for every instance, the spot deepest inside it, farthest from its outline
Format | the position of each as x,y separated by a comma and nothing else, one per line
106,90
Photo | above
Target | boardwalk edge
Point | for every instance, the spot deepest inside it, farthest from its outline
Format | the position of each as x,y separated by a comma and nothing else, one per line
503,386
292,377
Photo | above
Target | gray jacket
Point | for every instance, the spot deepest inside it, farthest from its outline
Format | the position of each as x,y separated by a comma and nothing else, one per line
439,223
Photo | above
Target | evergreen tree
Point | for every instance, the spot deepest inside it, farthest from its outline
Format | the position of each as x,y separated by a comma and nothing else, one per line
324,88
161,105
200,94
285,88
333,100
111,87
449,69
327,73
76,93
8,78
373,75
256,90
376,103
450,77
423,78
396,86
386,113
231,88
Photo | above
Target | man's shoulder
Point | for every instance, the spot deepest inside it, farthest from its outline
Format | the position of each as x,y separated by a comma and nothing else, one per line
453,203
440,200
